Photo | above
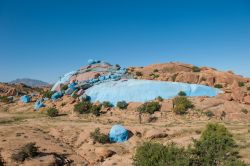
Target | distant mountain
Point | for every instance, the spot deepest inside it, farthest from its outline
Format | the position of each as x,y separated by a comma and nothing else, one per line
30,82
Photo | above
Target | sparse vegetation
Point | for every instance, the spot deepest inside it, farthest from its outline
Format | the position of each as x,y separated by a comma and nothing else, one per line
248,88
95,109
215,147
4,99
47,94
219,86
106,104
196,69
97,136
122,105
149,107
209,114
83,107
138,73
155,70
159,98
182,93
52,112
181,104
29,150
241,84
64,87
245,111
154,75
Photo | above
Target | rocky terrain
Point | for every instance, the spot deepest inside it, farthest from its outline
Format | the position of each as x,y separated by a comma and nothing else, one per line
30,82
66,139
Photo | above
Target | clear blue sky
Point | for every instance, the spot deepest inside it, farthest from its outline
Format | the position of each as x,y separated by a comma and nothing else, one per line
43,39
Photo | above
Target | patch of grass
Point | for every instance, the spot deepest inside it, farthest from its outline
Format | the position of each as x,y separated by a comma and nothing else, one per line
241,84
245,111
52,112
83,107
182,93
149,107
97,136
181,104
196,69
122,105
29,150
219,86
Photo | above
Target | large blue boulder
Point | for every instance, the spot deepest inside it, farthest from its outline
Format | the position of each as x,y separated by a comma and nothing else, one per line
56,96
39,104
25,99
72,86
118,134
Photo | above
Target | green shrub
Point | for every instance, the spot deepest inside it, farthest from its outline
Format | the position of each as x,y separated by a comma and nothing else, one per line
48,94
181,104
122,104
248,88
159,98
149,107
155,154
155,70
95,109
138,73
97,136
4,99
241,84
27,151
219,86
64,87
182,93
245,111
52,112
83,107
215,146
209,114
196,69
106,104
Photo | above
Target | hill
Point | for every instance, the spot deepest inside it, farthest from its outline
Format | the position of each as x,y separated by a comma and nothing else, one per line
30,82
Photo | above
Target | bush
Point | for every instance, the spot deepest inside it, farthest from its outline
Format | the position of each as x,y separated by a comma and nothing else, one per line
248,88
155,154
209,114
215,146
83,107
155,70
122,105
4,99
95,109
196,69
219,86
27,151
106,104
181,104
48,94
97,136
241,84
149,107
52,112
245,111
138,73
159,98
182,93
64,87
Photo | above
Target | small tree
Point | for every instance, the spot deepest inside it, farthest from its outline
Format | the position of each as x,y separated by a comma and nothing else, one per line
122,105
149,107
106,104
182,93
97,136
83,107
52,112
159,98
155,70
181,104
138,73
241,84
196,69
219,86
